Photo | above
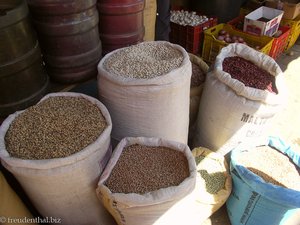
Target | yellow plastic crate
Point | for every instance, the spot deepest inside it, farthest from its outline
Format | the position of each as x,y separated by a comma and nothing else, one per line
212,46
295,30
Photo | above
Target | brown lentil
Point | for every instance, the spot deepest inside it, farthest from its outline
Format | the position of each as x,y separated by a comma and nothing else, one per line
144,61
272,166
250,74
214,182
141,169
198,76
55,128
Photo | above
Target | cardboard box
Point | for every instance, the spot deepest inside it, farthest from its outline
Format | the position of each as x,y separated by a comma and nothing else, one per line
291,8
263,21
275,4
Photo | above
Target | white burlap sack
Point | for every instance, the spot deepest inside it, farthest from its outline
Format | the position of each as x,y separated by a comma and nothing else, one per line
195,96
230,112
172,205
64,188
157,107
207,203
195,93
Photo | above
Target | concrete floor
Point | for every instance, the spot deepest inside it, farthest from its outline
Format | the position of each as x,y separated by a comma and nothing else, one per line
286,123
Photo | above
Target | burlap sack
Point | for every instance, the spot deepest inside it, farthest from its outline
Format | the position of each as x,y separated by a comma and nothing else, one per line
230,112
156,107
171,205
64,188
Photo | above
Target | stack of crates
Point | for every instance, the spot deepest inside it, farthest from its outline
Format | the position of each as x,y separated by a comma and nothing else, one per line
279,43
293,24
190,37
212,46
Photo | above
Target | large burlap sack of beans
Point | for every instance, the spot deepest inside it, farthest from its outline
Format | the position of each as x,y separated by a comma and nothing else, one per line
12,209
61,187
149,15
199,71
146,89
213,185
266,184
172,204
231,112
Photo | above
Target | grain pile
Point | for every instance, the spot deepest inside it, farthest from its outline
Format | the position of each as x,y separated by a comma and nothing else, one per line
272,166
141,169
199,158
55,128
249,73
214,181
144,61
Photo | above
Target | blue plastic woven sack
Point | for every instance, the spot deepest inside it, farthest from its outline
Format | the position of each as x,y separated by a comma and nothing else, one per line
255,202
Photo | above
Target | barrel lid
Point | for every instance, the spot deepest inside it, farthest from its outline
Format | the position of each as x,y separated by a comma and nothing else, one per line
12,11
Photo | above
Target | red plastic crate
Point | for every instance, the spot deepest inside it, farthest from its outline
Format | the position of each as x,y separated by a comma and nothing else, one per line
193,47
279,43
294,25
190,37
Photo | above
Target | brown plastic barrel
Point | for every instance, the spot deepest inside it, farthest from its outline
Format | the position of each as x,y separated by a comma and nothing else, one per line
23,80
69,37
120,23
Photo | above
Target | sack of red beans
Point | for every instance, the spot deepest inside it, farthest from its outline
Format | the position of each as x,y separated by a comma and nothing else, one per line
242,93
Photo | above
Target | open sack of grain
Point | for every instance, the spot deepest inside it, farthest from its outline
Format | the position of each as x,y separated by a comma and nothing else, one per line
213,185
266,186
146,89
199,71
149,181
57,150
241,95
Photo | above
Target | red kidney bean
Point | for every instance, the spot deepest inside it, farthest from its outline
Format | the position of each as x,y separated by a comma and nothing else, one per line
250,74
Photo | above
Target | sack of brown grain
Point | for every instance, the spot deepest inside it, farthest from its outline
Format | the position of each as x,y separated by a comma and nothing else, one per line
57,150
150,181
